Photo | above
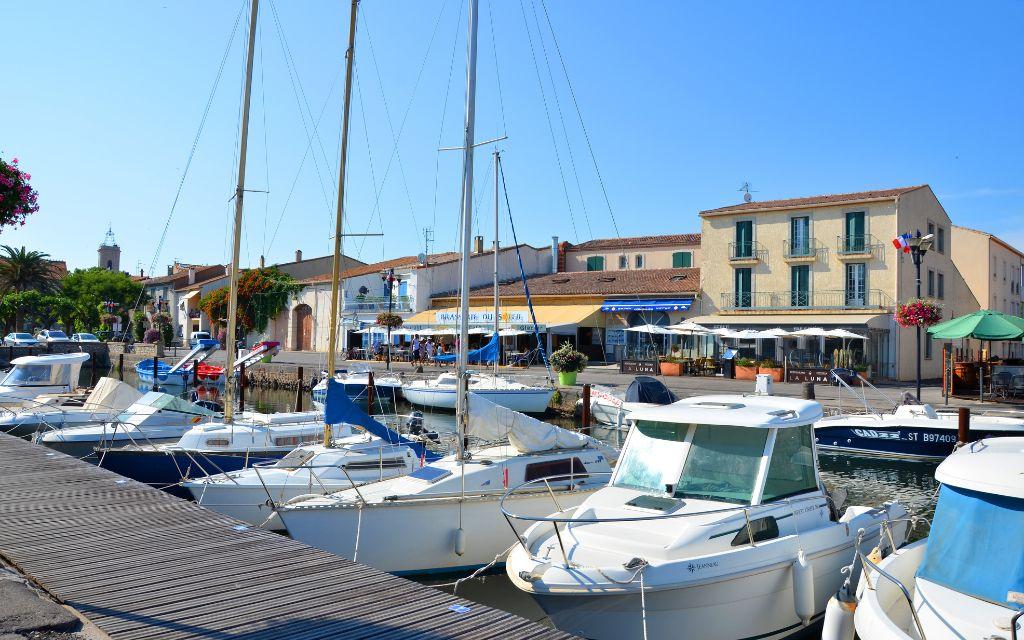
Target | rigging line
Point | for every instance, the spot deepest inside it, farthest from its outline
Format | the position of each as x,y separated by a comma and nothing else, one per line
497,71
579,114
444,111
296,91
305,154
188,161
405,118
547,115
561,118
366,134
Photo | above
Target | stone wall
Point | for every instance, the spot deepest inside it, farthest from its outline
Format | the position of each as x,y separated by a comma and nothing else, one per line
97,350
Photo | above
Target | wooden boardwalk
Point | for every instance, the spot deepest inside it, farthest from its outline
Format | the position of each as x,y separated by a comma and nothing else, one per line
142,564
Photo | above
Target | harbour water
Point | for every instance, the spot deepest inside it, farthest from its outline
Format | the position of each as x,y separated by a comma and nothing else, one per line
867,481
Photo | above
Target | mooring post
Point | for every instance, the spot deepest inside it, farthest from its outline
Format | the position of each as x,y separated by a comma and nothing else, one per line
195,373
241,387
92,372
156,378
963,425
370,392
298,389
120,366
585,428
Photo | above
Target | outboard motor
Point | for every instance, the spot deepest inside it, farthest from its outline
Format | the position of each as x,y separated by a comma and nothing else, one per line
415,425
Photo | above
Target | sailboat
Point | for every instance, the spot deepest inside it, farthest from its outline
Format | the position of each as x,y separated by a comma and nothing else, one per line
446,516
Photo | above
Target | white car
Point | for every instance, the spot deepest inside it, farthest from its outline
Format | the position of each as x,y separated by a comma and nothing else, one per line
52,335
84,337
20,340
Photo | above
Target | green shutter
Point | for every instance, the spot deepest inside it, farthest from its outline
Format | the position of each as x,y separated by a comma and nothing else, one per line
595,263
682,260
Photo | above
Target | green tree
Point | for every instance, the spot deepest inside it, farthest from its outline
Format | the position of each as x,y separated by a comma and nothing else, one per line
139,325
88,289
23,270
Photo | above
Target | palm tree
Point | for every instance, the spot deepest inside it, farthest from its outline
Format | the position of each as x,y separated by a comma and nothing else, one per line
22,270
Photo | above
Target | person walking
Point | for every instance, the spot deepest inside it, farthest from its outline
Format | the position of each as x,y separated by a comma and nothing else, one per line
415,350
430,349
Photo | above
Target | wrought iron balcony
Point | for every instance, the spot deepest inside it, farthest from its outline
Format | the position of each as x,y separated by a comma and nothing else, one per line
855,246
816,300
399,304
747,252
805,250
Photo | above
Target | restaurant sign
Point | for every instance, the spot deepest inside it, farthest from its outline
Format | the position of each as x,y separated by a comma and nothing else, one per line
648,367
483,317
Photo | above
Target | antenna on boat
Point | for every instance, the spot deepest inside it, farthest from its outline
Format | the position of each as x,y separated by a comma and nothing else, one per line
229,400
332,341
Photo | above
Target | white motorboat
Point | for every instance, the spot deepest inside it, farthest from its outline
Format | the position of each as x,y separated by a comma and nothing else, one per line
34,376
715,525
966,579
613,408
387,387
441,392
445,516
107,399
156,417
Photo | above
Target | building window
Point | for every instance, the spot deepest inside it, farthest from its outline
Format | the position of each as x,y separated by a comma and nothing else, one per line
940,286
856,284
931,227
800,285
940,239
638,261
744,239
743,287
595,263
931,283
800,236
682,259
855,241
623,262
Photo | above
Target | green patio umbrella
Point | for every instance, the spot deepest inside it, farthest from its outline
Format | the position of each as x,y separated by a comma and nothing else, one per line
980,325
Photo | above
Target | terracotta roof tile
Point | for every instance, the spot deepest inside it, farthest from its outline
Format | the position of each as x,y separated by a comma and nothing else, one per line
601,283
637,241
839,198
433,260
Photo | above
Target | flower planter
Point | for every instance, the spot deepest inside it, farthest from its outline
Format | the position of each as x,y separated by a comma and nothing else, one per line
567,378
774,372
671,368
746,373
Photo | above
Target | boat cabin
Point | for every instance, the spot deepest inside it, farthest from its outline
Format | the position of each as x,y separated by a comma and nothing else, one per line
33,376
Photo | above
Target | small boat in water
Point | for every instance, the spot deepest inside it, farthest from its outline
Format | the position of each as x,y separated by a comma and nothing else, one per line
34,376
613,408
715,526
441,392
387,387
107,399
966,579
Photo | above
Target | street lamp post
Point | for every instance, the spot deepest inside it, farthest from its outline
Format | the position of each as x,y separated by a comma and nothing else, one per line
389,281
918,247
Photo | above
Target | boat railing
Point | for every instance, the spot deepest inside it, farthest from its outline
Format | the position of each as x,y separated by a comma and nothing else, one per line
558,518
861,395
870,564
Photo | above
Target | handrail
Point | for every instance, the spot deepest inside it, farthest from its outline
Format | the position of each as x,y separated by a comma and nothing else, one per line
906,592
862,395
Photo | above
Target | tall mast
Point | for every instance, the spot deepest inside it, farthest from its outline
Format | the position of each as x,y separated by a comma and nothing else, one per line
229,400
497,301
332,341
461,413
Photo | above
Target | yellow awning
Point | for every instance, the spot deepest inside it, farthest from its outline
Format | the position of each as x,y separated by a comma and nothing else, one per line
587,315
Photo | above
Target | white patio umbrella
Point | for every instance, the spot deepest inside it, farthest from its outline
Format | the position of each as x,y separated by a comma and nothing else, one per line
651,328
479,331
811,332
722,331
745,334
688,328
846,335
513,332
777,332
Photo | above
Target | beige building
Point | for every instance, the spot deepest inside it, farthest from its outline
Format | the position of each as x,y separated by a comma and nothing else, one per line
678,251
829,261
993,271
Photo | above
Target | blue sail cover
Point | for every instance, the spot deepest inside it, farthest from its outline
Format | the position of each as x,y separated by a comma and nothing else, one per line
971,542
484,355
338,409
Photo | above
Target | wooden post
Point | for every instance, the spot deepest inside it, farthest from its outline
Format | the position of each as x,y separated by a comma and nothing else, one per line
298,389
963,425
585,427
241,387
120,366
156,379
370,392
92,372
10,353
195,373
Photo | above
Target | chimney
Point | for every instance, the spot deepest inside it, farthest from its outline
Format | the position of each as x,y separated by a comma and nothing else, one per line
563,248
191,275
170,269
298,255
478,244
554,254
263,262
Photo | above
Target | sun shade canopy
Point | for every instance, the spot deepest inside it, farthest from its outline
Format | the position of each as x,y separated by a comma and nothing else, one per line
980,325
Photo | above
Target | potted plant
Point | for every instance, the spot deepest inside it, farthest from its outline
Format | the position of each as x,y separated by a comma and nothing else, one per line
670,366
567,361
769,366
863,371
746,369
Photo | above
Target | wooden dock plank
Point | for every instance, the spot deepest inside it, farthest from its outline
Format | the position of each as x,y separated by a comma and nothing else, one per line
140,563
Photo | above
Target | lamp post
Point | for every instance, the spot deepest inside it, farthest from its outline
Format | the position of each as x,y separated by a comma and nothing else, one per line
918,247
389,281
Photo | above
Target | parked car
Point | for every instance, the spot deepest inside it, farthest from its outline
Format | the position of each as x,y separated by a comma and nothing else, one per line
193,340
20,340
84,337
52,335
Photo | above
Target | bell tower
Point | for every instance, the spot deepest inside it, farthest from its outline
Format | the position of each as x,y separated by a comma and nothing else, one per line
109,252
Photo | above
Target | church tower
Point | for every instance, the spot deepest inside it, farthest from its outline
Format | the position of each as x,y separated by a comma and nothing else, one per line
109,252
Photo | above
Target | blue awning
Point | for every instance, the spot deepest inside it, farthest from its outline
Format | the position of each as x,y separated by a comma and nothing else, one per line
656,304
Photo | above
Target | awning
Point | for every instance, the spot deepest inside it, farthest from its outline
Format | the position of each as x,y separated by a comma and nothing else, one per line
190,294
874,320
547,315
656,304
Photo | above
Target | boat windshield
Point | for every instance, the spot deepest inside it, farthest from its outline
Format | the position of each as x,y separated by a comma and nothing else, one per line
27,375
721,463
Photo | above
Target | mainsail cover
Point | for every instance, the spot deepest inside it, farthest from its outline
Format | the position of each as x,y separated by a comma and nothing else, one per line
490,421
111,395
485,354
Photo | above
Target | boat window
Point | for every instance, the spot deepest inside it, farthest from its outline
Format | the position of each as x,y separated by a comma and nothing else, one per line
722,463
294,441
217,442
765,528
791,470
430,474
564,467
295,459
386,463
652,458
26,374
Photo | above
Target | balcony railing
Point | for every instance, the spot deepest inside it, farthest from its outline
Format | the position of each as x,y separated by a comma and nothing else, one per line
819,300
743,251
399,304
806,248
857,245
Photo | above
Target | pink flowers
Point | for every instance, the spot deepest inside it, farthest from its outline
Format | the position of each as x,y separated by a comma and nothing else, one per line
918,313
18,199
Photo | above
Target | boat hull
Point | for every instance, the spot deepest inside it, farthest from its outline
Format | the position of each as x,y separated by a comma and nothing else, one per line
357,392
524,401
914,442
165,469
25,427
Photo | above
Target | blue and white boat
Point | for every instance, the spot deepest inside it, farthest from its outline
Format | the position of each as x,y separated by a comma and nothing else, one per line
387,387
181,373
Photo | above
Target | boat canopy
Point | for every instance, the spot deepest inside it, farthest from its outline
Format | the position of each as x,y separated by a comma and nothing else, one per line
485,354
760,412
650,390
53,358
111,395
991,465
167,402
51,370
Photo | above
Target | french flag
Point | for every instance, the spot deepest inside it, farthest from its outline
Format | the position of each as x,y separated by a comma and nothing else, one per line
902,242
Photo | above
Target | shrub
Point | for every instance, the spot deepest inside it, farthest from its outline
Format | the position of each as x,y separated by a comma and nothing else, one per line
768,363
139,325
166,334
745,362
151,336
567,359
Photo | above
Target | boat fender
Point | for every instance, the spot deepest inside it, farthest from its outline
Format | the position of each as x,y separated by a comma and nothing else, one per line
803,588
460,541
839,619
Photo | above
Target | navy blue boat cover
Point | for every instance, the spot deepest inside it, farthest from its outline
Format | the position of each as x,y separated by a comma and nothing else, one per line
649,389
484,355
339,409
970,545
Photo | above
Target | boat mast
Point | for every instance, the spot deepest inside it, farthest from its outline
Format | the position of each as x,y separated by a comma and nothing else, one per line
332,341
229,400
497,301
462,403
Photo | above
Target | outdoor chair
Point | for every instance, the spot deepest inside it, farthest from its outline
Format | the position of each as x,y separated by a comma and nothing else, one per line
1001,383
1017,386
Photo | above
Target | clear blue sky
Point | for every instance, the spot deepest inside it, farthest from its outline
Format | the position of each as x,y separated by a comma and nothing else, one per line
682,102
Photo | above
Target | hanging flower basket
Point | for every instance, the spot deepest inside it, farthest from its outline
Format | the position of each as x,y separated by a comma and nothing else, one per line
389,320
918,313
18,199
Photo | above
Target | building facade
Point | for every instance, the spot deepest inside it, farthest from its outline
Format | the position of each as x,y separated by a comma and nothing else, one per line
994,273
678,251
